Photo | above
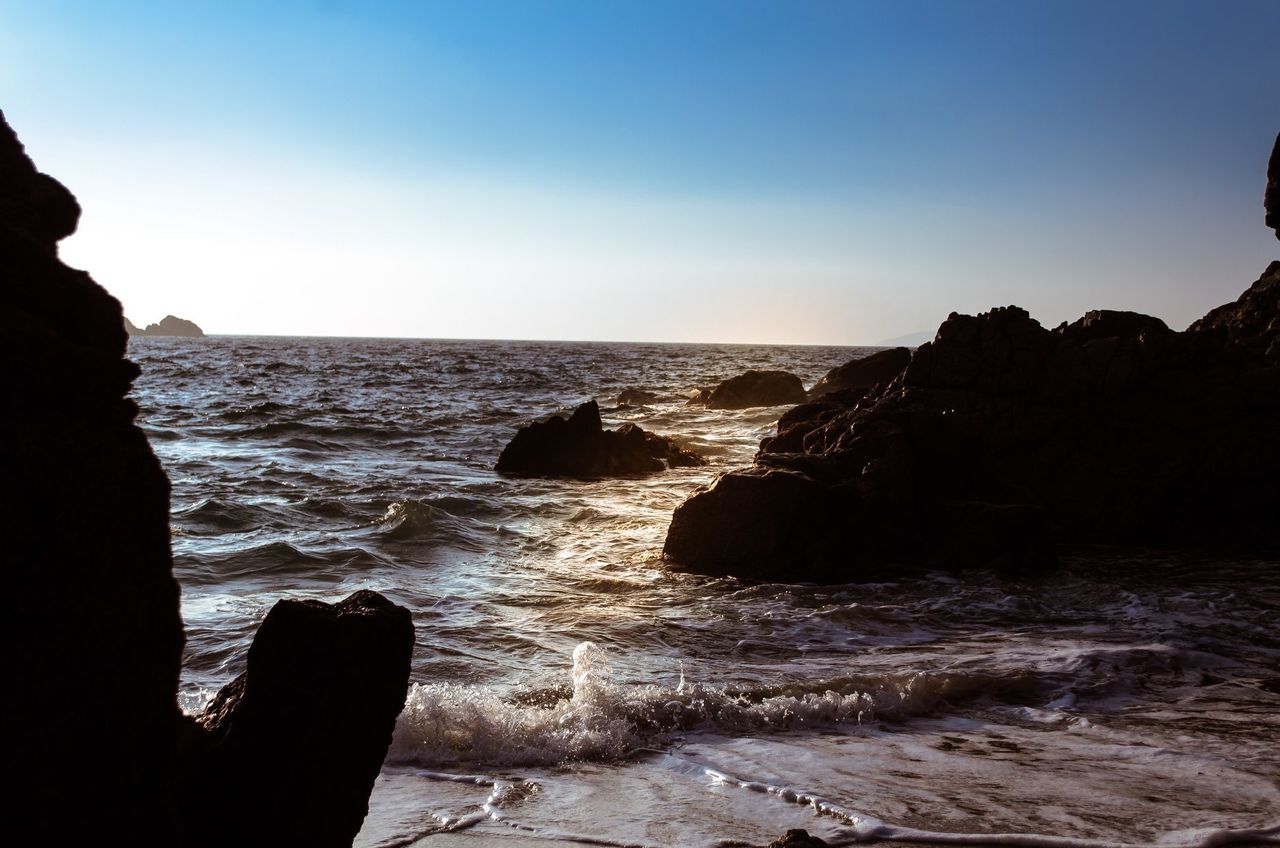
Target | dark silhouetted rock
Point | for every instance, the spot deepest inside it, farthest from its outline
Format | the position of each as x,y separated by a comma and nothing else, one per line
581,447
92,628
1253,320
797,839
169,326
1271,200
1001,438
636,397
287,753
754,388
863,374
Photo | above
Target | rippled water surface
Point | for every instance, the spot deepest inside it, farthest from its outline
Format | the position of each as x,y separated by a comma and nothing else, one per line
567,685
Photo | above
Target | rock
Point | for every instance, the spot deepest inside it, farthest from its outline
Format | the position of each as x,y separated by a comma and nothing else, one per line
797,839
636,397
1253,320
581,447
755,388
863,374
1001,439
93,629
287,753
169,326
1271,200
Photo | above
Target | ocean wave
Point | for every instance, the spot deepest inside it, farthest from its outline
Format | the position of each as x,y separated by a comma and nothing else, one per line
597,719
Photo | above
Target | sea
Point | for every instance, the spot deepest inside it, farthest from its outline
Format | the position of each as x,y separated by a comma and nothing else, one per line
568,685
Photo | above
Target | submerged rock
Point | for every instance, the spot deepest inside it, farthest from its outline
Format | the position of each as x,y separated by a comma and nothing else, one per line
93,629
753,388
1001,437
287,753
863,374
581,447
636,397
797,838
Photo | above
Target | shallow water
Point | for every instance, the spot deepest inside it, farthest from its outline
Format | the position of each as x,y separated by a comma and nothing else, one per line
1129,697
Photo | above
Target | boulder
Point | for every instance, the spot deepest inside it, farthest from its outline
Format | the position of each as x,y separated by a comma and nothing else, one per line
287,753
581,447
636,397
754,388
1001,439
864,373
93,629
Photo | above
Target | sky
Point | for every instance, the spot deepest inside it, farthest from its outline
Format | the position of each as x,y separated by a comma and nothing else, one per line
739,171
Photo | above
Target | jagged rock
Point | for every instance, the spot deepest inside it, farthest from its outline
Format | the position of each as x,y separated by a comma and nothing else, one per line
636,397
863,374
1271,200
93,629
1253,320
753,388
581,447
169,325
287,753
1001,437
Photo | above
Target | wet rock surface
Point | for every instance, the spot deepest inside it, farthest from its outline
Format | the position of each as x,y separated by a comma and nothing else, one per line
581,447
1001,438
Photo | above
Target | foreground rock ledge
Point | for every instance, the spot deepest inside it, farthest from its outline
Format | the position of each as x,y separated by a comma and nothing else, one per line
287,753
1001,438
581,447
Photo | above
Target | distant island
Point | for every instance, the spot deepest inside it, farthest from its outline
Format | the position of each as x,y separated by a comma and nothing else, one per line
170,325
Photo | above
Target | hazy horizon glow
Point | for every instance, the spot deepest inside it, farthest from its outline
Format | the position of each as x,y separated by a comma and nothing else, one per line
719,171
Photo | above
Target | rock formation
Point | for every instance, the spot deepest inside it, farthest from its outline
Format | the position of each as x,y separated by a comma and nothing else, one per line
581,447
169,326
91,726
93,629
1271,200
1001,436
863,374
753,388
636,397
290,748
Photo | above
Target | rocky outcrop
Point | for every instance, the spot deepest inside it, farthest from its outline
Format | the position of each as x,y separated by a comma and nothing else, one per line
1271,200
753,388
92,628
287,753
169,326
636,397
1001,437
581,447
863,374
91,726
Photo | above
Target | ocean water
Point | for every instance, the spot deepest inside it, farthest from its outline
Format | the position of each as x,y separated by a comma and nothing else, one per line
567,685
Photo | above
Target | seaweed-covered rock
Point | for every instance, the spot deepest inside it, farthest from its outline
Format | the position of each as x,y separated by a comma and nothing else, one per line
287,753
581,447
864,373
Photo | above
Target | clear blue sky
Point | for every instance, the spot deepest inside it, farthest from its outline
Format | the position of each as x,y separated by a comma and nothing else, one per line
705,171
